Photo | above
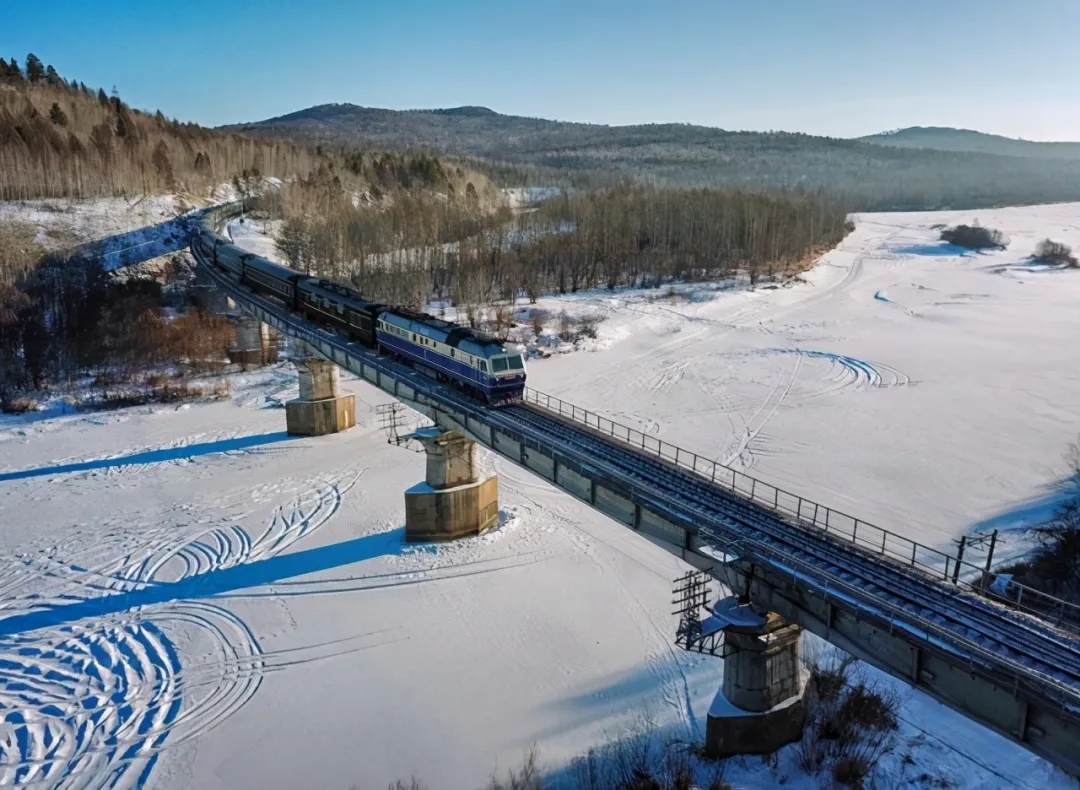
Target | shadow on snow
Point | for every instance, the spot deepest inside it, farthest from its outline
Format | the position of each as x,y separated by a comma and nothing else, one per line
215,582
1033,511
153,456
934,250
139,245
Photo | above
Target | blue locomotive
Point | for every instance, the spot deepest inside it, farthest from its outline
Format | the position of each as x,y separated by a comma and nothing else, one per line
476,363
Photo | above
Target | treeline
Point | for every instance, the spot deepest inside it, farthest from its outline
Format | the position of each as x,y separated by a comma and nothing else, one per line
625,236
62,319
61,138
637,235
871,177
354,229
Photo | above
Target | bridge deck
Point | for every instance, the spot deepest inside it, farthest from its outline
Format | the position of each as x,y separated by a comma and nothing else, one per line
1007,669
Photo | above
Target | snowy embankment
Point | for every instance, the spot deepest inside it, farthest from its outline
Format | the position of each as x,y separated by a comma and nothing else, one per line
191,598
119,231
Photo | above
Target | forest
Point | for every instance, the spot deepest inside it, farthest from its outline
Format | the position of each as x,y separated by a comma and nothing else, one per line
869,176
60,138
66,323
421,249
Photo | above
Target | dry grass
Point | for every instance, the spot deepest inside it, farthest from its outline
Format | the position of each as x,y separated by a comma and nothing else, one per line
851,725
135,395
19,406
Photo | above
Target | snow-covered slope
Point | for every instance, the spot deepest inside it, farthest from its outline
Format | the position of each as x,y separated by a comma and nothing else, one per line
190,598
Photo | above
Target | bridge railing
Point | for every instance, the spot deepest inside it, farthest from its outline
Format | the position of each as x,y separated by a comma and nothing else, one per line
805,512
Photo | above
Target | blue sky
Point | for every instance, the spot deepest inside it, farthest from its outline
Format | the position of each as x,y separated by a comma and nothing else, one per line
836,67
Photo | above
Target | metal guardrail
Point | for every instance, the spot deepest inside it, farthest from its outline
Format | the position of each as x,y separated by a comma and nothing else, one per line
966,653
808,513
805,513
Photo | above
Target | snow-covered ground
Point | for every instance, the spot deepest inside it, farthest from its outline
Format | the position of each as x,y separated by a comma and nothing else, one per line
190,598
64,223
120,231
521,198
918,387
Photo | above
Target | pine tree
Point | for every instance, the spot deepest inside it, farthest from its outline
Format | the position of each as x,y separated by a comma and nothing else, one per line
35,71
14,72
57,116
52,77
103,100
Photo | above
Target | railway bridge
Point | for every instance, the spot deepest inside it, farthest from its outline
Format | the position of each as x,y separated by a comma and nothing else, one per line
919,614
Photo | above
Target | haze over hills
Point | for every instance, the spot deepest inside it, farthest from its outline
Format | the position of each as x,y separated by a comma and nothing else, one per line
896,175
943,138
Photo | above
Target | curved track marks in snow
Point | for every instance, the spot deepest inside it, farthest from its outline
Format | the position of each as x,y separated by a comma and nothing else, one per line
90,704
223,547
846,372
89,707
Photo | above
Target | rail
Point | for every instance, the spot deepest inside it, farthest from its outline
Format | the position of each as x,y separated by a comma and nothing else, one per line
1002,660
805,512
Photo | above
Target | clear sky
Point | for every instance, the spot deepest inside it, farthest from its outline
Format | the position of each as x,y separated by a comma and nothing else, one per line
837,67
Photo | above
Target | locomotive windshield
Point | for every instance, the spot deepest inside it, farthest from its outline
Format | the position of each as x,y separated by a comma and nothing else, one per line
500,364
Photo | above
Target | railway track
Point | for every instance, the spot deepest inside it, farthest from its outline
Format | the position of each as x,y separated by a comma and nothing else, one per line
1022,647
978,627
1010,652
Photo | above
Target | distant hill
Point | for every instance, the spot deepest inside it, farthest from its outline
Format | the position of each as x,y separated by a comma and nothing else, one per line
871,175
942,138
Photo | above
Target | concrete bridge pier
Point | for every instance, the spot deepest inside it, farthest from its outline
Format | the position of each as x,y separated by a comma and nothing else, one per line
255,343
453,501
763,701
321,408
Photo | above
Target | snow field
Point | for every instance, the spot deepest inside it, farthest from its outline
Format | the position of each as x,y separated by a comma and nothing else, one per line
189,598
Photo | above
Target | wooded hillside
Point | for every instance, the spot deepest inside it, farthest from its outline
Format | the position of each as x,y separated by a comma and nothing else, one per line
868,176
60,138
943,138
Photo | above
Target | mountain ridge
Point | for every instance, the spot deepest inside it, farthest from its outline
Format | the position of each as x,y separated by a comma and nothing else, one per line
948,138
876,174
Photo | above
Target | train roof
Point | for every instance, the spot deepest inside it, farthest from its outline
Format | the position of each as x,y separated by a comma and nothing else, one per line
457,336
340,292
268,267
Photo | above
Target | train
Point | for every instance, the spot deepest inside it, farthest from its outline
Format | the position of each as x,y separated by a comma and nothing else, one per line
481,366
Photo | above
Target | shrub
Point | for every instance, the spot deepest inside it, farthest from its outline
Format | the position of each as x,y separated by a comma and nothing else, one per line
973,237
1050,251
851,723
19,406
1054,566
503,323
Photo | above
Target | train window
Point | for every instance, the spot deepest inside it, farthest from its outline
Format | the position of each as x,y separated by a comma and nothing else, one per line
483,366
499,363
515,363
452,352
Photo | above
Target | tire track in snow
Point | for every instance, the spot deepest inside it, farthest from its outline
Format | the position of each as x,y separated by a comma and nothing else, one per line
90,705
849,372
92,709
765,412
